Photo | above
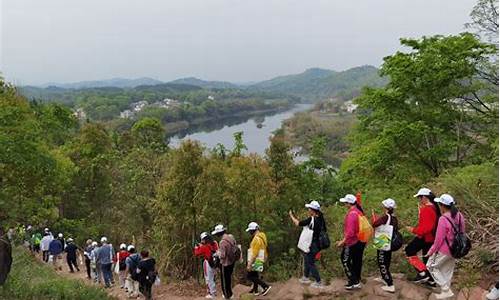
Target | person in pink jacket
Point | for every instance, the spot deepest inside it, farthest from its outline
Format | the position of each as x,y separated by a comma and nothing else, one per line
352,247
441,263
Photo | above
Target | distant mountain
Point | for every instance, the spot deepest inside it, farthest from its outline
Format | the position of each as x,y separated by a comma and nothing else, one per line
315,83
114,82
205,84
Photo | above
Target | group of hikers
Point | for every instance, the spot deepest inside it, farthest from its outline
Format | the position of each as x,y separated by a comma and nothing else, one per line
135,271
439,236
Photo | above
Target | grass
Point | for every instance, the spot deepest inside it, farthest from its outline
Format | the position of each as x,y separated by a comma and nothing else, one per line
31,279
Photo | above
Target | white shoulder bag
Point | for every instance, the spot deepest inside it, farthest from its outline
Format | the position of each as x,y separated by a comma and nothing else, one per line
306,237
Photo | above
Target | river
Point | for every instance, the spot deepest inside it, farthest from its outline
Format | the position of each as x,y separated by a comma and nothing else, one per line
256,139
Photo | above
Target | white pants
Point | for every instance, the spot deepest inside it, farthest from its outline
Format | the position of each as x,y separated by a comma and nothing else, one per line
132,286
122,275
441,268
209,274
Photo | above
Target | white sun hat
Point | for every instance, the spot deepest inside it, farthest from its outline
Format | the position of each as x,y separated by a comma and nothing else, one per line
389,203
60,235
104,239
313,205
70,240
349,198
423,192
94,244
252,226
123,246
218,229
445,199
203,235
130,247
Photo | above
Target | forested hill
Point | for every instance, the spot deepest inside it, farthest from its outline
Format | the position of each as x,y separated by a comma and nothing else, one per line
205,83
319,84
114,82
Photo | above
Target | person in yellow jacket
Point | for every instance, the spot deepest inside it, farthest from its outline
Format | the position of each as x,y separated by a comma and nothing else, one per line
257,255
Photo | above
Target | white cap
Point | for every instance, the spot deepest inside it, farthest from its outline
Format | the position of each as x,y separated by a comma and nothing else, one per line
60,235
123,246
46,229
445,199
130,247
252,226
313,205
70,240
389,203
203,235
218,229
423,192
94,243
104,239
349,198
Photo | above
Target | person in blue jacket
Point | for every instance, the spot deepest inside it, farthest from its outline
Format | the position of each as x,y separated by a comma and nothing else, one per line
55,250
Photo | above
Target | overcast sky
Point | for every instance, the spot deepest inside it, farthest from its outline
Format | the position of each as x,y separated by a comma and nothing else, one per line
233,40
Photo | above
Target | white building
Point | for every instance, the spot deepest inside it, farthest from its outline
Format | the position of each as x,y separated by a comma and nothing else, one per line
138,106
127,114
80,114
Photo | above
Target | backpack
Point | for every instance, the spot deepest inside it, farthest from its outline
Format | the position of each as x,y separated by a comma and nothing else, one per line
134,262
122,264
461,244
214,261
365,229
324,239
151,276
236,253
396,241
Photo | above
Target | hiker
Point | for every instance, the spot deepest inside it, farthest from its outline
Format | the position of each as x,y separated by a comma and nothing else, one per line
105,256
441,263
207,249
44,244
60,237
424,236
55,250
87,253
36,239
310,250
493,293
94,263
384,256
5,256
146,274
257,256
228,253
132,262
121,257
71,255
352,246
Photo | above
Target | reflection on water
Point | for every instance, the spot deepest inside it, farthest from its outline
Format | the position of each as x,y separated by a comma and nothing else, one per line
255,137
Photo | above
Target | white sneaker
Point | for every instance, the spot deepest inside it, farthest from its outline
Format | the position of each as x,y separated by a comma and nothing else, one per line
444,294
317,285
304,280
378,279
390,289
209,297
493,294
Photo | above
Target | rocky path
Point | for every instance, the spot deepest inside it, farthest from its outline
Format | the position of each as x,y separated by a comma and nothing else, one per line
293,290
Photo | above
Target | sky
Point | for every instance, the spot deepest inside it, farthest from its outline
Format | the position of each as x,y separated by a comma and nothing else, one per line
234,40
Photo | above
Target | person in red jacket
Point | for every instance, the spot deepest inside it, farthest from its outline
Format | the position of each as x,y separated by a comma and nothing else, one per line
206,249
122,256
424,235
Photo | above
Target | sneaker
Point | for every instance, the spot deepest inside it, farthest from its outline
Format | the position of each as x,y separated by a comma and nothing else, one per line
421,278
431,283
266,290
388,288
444,294
493,294
209,297
317,285
353,286
304,280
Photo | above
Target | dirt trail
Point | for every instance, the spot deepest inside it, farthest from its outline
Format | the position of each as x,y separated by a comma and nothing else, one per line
291,290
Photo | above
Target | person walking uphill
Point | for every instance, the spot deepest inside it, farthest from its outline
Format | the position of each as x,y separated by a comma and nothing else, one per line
384,256
354,242
105,256
309,244
257,256
206,249
44,244
121,258
424,231
441,263
71,255
55,250
132,262
146,274
228,254
87,253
